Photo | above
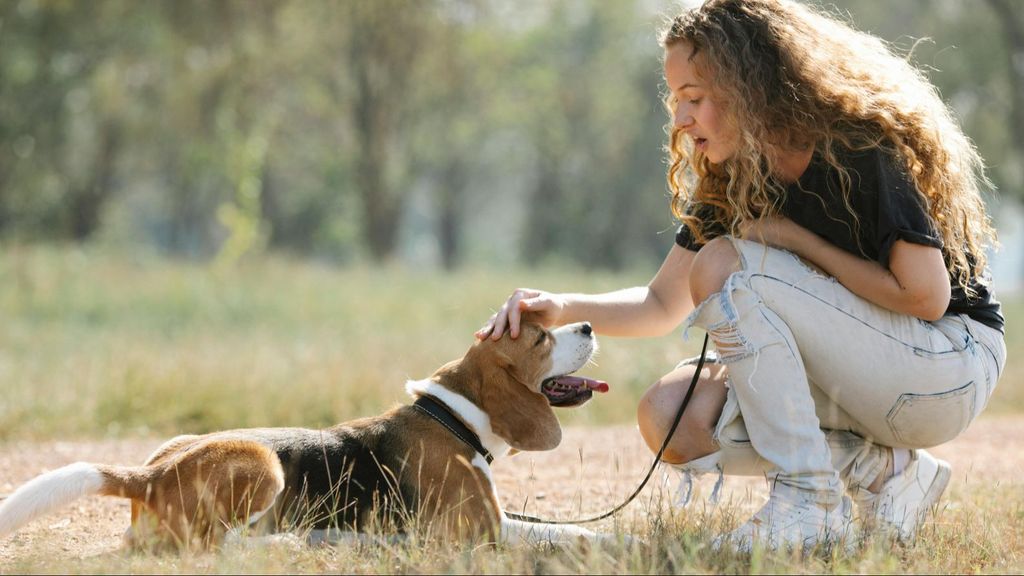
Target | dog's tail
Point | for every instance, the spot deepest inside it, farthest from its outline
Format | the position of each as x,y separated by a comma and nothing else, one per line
60,487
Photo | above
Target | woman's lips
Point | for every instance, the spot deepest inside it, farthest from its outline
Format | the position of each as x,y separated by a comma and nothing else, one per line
700,143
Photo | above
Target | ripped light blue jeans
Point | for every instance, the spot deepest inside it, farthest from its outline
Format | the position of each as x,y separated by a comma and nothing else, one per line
821,381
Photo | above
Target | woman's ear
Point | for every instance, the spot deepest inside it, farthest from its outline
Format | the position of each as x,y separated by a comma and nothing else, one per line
522,417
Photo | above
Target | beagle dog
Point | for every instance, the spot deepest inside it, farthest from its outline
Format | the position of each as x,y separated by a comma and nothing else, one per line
423,466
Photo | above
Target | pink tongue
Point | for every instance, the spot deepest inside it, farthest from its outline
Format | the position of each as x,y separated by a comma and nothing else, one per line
579,382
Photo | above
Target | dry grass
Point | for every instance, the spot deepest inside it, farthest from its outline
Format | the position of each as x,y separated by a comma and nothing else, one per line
978,527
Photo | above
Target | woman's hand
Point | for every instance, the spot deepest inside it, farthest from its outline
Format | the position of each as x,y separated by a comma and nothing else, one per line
776,231
915,282
547,306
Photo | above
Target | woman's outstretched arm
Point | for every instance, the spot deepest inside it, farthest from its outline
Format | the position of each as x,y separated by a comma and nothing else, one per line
650,310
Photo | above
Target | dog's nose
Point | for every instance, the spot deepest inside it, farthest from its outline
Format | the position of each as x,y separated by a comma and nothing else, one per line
586,329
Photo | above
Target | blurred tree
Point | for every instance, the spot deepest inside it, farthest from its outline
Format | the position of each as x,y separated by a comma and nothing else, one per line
960,47
457,83
59,141
1009,14
487,129
452,69
594,117
386,41
307,177
183,92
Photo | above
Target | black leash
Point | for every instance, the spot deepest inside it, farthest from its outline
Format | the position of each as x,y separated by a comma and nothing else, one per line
657,459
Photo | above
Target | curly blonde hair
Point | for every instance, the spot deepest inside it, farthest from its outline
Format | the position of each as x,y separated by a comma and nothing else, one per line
792,77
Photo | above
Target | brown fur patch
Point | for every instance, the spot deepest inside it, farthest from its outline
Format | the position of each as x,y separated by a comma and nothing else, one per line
193,495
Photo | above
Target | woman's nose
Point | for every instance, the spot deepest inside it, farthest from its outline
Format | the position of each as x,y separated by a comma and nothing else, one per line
683,119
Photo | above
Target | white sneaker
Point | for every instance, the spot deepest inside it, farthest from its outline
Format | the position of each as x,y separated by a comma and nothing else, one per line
789,520
902,504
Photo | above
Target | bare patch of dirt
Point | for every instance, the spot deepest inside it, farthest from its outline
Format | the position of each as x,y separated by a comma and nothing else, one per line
593,470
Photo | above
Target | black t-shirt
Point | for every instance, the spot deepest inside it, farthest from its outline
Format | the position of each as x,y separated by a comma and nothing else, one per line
888,208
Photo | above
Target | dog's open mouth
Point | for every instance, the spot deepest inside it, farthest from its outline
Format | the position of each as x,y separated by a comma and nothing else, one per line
569,391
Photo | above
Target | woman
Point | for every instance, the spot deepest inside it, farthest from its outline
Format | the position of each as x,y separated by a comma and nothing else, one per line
833,246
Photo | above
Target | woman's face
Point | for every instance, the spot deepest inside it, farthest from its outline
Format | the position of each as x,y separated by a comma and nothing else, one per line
695,112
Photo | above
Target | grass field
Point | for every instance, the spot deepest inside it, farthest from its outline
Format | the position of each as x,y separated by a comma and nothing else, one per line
97,345
121,350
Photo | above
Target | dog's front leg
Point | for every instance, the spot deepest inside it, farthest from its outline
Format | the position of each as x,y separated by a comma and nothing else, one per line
516,532
240,537
340,537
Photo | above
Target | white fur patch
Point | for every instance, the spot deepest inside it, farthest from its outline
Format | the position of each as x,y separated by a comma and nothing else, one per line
477,420
482,464
518,532
573,349
48,492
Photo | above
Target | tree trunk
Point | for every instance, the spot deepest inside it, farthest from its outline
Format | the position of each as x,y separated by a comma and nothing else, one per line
451,195
545,207
383,50
87,204
379,206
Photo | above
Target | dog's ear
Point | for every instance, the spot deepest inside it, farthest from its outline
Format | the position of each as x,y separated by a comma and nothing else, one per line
521,416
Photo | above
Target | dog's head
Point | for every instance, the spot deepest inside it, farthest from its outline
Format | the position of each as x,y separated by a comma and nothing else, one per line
517,381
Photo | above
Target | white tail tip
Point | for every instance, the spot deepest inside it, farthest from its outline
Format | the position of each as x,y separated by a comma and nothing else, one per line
47,493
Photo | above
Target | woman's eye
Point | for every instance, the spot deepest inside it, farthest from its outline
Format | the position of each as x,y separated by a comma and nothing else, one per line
695,101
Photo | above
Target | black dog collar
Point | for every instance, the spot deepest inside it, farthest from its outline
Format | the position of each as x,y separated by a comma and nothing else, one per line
443,414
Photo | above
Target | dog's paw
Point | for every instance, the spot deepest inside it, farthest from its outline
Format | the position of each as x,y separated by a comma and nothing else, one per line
285,540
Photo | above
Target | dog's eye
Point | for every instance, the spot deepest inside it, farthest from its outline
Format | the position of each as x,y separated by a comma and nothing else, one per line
541,338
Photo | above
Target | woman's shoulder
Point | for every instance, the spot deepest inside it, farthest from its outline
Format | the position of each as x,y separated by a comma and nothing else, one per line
868,155
864,165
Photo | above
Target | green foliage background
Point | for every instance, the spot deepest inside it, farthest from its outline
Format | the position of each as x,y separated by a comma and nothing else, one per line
438,132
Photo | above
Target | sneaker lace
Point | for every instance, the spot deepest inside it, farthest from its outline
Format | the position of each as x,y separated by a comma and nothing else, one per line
684,490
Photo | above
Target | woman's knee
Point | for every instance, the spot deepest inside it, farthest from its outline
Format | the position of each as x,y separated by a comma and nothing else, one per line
694,437
712,266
